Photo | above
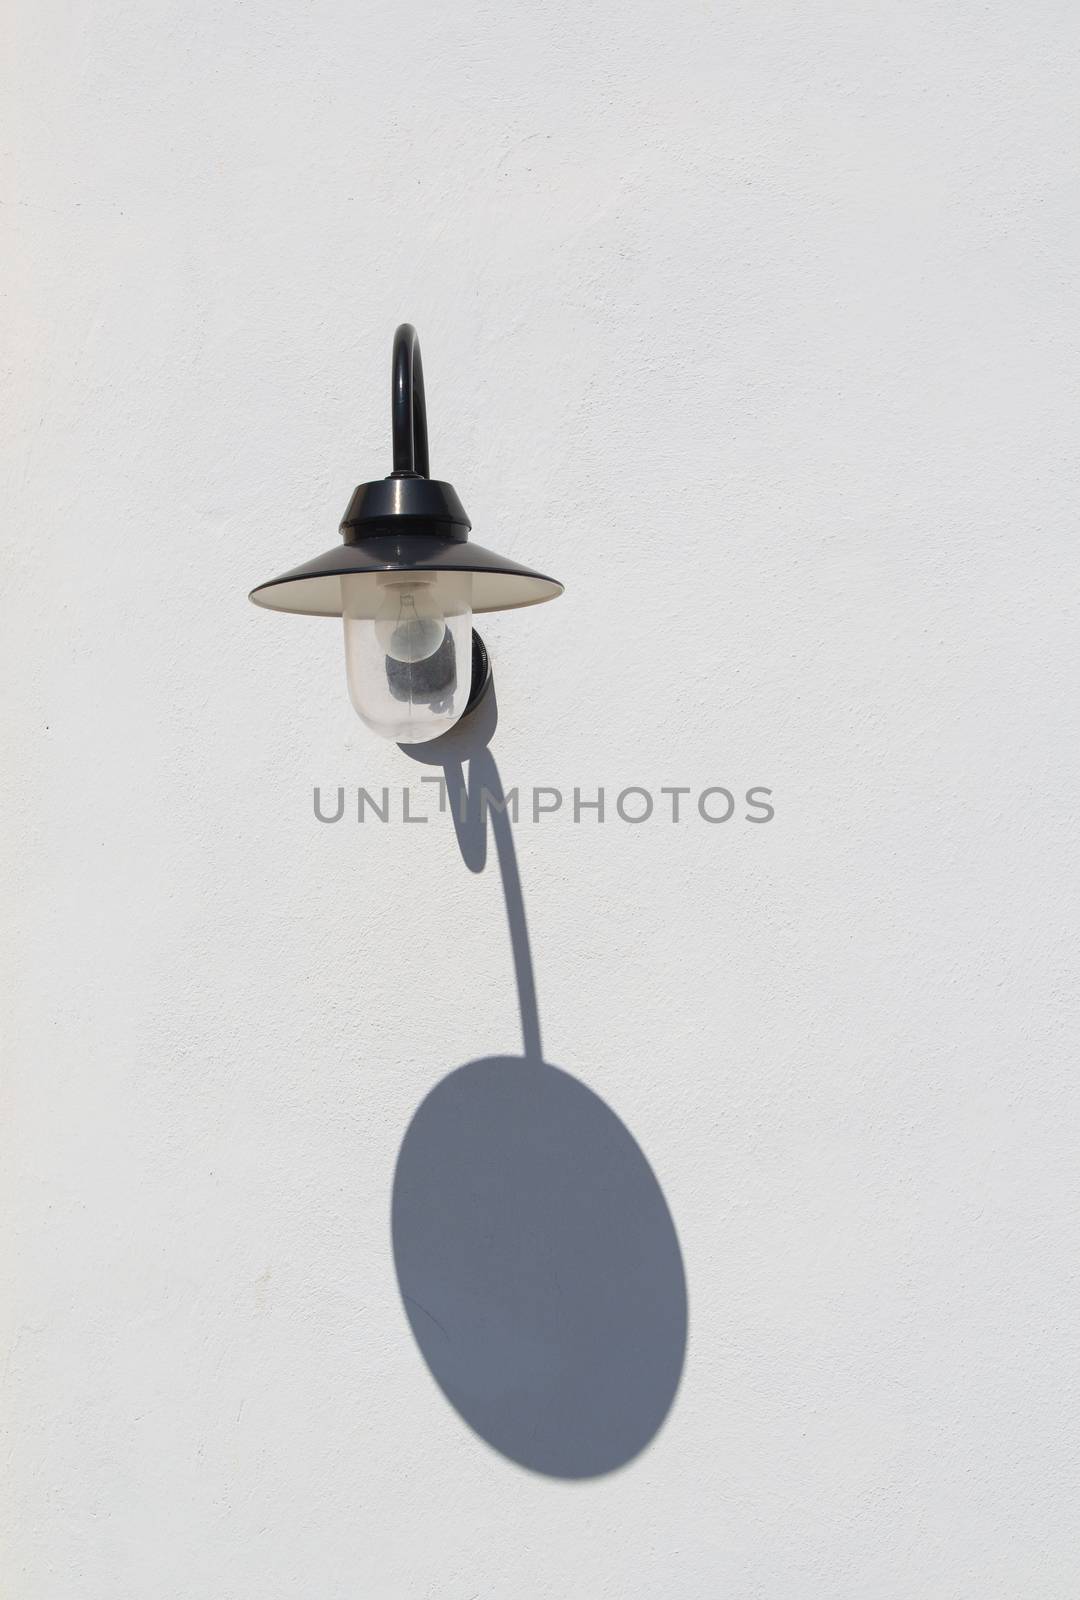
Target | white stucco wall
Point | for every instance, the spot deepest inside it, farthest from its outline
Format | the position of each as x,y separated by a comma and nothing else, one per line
755,324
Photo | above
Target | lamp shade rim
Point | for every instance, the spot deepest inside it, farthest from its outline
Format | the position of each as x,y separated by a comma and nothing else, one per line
313,589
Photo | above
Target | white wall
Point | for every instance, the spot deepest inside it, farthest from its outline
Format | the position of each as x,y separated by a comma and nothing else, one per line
757,325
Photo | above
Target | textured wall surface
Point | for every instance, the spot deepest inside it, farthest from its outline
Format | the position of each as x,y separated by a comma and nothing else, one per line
756,324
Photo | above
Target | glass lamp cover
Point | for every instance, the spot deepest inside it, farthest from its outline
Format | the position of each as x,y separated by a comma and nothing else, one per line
408,650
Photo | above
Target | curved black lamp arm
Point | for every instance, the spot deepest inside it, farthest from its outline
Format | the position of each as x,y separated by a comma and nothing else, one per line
408,409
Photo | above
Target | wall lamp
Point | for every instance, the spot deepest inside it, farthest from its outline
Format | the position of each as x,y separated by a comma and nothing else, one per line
406,582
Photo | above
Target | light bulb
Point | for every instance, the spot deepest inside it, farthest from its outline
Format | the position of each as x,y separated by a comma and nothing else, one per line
408,626
408,650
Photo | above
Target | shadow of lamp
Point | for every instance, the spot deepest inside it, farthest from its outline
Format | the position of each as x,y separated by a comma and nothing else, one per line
538,1261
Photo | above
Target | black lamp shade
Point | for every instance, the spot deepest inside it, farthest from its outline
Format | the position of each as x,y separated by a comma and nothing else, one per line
407,522
314,589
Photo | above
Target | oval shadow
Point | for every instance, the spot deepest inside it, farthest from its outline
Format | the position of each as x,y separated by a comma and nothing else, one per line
539,1267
